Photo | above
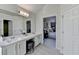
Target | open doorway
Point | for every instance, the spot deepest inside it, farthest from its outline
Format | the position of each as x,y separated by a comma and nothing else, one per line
49,31
7,28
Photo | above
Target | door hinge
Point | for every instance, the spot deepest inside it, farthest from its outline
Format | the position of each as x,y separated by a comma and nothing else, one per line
63,32
62,16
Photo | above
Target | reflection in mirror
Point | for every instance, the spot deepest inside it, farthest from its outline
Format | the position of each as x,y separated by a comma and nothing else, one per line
28,23
7,28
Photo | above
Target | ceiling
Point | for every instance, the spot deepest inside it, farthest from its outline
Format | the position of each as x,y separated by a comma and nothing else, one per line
32,7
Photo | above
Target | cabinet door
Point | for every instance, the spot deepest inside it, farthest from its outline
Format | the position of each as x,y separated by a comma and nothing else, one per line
37,40
21,47
11,49
76,36
0,50
71,33
4,50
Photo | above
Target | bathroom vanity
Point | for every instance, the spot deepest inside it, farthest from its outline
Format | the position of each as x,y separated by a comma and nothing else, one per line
16,45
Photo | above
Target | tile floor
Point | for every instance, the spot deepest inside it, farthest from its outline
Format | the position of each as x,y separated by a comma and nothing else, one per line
44,50
48,48
51,43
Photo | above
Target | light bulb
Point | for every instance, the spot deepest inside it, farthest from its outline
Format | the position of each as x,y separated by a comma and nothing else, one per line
24,13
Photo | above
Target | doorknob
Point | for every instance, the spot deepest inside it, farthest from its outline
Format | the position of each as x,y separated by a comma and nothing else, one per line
63,32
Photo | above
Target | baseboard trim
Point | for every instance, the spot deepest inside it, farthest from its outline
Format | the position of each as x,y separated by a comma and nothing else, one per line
60,51
38,45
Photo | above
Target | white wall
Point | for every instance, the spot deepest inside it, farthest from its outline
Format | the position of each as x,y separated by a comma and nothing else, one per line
33,24
9,7
17,25
47,11
19,22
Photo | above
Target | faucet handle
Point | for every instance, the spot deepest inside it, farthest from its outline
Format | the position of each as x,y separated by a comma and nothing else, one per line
1,39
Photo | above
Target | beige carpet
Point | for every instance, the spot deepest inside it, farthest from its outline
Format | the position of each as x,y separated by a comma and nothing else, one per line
44,50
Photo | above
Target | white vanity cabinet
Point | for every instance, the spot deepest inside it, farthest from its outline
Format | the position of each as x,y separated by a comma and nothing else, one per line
9,50
21,47
4,50
18,48
37,40
0,51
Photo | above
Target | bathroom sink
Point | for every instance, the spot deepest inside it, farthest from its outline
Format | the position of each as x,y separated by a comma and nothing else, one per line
9,39
26,34
13,38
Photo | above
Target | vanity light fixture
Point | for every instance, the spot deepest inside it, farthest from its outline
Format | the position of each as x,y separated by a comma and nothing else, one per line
24,13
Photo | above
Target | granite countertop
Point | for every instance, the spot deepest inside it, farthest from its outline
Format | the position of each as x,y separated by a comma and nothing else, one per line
18,38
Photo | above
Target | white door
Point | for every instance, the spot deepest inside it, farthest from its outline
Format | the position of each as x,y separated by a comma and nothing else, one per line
71,32
76,35
67,33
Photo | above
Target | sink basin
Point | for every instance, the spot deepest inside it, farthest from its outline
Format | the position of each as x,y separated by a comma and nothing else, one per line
9,39
13,38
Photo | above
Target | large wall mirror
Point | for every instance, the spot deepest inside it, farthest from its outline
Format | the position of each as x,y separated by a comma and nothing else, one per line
28,24
7,28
